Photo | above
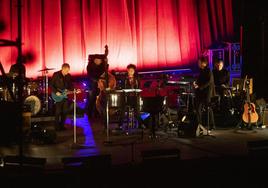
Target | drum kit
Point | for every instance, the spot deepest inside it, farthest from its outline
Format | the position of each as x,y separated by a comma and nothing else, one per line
35,92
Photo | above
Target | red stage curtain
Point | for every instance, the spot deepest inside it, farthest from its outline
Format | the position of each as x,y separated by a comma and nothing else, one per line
150,33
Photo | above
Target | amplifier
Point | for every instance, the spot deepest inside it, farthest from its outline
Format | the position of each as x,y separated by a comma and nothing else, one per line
265,118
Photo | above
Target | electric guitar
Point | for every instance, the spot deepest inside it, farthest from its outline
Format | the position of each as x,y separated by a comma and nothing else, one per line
64,95
249,115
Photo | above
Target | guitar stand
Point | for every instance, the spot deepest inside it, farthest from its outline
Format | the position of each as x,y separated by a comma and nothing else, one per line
75,145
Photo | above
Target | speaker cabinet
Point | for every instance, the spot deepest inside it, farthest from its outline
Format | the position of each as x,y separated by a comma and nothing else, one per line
265,118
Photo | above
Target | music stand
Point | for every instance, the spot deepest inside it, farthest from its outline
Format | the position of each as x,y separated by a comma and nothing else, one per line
153,105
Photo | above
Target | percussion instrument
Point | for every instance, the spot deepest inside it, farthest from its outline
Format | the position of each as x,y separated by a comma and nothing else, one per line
46,69
116,98
32,88
34,104
131,90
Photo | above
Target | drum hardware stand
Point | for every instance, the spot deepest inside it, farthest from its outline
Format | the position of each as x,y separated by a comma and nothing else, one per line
130,119
75,145
45,91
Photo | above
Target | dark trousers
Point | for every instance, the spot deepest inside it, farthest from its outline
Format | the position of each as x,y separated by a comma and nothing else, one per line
91,102
204,106
61,111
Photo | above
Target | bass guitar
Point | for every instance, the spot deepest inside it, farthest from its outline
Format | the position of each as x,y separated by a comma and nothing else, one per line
249,115
64,95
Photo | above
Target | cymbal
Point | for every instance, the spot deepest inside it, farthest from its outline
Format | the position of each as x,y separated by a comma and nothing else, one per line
46,69
131,90
178,82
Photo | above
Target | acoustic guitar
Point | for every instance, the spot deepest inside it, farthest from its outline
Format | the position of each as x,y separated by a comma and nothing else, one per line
249,115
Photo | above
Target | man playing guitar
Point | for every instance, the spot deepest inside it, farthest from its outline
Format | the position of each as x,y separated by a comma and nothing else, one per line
61,83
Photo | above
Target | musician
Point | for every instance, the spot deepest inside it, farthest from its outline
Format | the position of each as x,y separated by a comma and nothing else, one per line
132,99
204,91
101,99
13,75
95,68
60,82
221,78
14,70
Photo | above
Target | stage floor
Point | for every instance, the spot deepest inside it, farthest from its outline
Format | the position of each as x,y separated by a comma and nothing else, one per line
126,149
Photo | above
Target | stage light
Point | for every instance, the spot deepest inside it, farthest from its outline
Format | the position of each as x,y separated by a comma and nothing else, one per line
183,118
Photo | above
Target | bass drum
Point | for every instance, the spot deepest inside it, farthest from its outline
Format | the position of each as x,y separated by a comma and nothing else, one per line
33,104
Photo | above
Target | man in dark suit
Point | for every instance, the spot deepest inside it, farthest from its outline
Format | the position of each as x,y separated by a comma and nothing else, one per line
95,68
204,91
61,81
221,78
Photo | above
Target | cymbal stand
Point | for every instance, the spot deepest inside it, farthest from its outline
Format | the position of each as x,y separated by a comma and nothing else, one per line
45,91
46,101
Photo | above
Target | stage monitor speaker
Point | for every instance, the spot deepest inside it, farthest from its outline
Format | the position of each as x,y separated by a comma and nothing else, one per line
160,155
238,84
187,125
265,118
89,162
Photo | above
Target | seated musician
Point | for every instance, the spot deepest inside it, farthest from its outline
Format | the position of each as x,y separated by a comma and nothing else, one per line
221,78
101,99
132,98
222,82
13,75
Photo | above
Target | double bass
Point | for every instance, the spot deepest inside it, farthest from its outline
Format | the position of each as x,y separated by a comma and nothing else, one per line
249,115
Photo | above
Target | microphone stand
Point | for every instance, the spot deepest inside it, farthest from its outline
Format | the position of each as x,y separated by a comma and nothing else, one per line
75,145
107,141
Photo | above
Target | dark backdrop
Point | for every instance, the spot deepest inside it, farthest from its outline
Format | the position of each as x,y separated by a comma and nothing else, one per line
252,17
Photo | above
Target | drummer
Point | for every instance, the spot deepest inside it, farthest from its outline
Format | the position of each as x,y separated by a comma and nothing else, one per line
221,78
13,74
132,98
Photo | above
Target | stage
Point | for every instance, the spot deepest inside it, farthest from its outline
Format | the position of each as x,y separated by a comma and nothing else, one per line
126,147
135,159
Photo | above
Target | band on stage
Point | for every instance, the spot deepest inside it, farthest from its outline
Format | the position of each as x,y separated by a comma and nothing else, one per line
209,86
